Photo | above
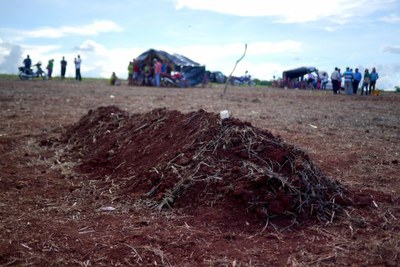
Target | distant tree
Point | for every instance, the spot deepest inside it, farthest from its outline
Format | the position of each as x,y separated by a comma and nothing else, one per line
262,83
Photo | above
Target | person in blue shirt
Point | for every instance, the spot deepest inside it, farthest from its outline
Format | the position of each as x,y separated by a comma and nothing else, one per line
373,77
348,81
356,80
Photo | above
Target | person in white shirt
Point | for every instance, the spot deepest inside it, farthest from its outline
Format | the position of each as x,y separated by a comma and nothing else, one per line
324,80
335,78
77,62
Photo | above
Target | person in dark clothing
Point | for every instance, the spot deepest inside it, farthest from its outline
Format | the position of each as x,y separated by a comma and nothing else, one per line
335,76
63,67
28,63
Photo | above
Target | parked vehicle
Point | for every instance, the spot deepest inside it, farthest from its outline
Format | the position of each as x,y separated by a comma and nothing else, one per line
174,80
217,77
28,73
242,80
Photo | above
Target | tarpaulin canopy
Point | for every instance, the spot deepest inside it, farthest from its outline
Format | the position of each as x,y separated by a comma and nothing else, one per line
299,72
175,59
192,71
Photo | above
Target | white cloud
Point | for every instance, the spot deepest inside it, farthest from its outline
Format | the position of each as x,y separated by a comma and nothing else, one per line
91,29
263,48
10,56
98,60
91,46
392,49
291,11
389,76
392,18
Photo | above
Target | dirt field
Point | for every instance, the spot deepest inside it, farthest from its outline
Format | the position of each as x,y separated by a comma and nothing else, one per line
65,200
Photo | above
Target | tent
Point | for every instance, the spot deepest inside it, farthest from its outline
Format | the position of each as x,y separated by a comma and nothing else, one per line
299,72
191,70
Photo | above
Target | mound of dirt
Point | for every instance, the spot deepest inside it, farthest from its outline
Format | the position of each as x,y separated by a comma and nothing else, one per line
197,159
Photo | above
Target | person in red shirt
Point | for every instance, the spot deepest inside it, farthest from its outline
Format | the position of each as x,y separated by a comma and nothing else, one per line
136,71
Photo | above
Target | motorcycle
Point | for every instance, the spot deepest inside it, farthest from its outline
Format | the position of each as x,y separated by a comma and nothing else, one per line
28,73
243,80
174,80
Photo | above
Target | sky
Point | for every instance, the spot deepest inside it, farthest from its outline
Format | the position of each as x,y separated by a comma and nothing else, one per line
280,35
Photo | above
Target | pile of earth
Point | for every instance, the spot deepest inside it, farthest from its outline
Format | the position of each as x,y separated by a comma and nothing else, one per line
198,160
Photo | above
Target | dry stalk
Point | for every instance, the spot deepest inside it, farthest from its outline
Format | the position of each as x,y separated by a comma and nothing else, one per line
314,194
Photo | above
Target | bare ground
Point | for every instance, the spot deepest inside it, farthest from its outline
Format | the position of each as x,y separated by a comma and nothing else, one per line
51,215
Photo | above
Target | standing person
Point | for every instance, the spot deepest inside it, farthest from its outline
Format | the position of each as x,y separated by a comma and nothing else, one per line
136,71
365,83
27,62
169,70
49,67
147,75
324,80
157,72
78,62
310,80
130,73
335,81
63,67
373,78
348,81
356,81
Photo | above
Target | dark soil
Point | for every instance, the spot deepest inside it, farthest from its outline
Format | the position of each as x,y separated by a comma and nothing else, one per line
93,175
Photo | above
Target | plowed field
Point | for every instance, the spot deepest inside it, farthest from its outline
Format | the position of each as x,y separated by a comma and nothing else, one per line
94,175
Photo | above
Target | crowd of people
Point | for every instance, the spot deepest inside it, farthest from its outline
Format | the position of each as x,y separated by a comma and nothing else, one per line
50,66
149,74
348,81
352,80
139,73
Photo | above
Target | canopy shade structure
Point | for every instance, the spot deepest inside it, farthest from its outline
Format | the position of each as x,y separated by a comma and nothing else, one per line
175,59
298,72
192,71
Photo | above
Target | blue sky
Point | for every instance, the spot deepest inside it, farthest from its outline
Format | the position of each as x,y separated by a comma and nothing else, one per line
280,34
